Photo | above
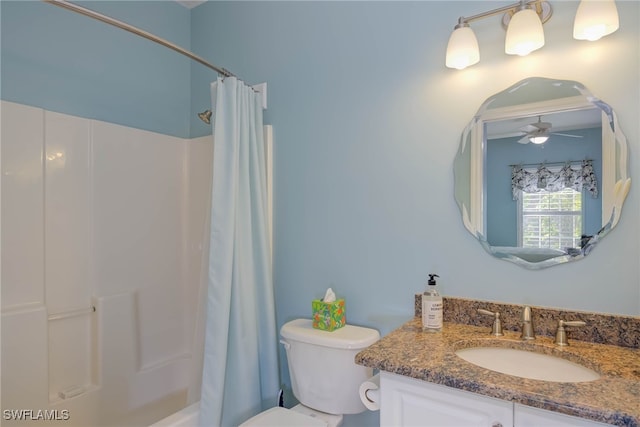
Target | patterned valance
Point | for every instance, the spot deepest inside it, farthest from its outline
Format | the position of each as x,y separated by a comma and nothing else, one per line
576,177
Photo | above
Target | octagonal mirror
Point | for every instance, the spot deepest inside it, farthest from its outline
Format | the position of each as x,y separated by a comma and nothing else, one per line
541,173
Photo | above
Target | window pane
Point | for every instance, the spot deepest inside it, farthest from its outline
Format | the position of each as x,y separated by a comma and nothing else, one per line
552,220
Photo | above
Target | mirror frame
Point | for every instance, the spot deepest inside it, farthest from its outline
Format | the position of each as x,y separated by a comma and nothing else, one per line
471,156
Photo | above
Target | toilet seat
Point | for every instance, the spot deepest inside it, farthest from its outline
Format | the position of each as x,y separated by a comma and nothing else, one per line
282,417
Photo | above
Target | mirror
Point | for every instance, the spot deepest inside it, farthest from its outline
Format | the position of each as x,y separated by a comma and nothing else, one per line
541,172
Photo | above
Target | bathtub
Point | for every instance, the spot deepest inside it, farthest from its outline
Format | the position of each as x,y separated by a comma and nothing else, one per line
187,417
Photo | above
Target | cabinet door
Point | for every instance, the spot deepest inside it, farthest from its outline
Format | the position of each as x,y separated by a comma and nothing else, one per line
526,416
410,402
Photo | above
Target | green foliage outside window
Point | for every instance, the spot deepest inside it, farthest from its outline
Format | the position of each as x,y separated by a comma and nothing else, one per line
552,219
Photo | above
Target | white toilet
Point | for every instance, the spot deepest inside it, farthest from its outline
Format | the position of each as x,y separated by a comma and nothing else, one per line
324,376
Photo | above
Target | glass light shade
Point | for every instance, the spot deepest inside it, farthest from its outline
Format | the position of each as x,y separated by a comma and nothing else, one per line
595,19
462,49
524,33
541,139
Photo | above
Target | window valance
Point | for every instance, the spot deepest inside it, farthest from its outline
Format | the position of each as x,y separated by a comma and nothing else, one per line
532,181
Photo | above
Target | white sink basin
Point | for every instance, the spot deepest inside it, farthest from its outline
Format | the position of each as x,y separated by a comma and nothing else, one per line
527,364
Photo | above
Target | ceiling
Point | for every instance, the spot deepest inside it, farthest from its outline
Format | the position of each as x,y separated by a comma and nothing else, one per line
561,121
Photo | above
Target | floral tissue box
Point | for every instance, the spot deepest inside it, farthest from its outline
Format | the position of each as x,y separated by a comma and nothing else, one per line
328,316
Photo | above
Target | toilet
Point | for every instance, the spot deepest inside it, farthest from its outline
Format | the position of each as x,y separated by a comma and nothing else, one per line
324,376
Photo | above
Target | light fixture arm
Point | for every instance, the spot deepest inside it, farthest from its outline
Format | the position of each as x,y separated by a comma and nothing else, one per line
509,8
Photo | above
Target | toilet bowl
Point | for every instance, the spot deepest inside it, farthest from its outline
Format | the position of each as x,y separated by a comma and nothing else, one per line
324,376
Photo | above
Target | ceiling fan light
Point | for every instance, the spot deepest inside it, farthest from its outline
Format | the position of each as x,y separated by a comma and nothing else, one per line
462,49
524,33
539,139
595,19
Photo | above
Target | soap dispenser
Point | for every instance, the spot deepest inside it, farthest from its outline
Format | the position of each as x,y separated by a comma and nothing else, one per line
432,306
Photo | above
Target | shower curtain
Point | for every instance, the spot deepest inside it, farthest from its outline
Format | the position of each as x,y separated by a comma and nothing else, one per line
240,372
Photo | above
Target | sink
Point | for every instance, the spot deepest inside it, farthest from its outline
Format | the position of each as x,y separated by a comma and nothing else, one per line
527,364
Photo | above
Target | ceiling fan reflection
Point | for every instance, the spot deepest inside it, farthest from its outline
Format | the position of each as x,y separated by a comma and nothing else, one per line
539,133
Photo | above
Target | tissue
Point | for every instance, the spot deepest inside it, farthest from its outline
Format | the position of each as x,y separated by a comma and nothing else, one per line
370,393
329,296
328,313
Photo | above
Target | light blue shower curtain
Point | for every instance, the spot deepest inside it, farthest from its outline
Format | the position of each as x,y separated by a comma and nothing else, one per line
240,372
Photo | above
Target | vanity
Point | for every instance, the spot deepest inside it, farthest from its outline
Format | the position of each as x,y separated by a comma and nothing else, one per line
425,382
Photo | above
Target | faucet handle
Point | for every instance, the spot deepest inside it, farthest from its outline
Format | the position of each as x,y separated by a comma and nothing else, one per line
571,323
496,329
561,333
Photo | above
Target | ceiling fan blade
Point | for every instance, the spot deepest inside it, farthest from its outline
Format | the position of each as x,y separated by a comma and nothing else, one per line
529,128
524,140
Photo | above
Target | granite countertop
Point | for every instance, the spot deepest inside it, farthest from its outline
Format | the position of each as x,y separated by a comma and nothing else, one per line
614,398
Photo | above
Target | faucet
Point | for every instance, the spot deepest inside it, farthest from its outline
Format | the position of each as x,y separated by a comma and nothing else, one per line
561,334
527,325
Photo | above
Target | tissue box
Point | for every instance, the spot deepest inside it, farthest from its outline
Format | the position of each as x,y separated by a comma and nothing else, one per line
328,316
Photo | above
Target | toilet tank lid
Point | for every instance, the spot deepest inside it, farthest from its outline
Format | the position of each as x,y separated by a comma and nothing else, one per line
347,337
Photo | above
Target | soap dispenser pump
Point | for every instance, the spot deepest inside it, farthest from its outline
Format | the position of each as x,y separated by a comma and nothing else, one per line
432,306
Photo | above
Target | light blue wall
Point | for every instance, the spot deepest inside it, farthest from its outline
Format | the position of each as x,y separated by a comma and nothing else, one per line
367,122
502,229
61,61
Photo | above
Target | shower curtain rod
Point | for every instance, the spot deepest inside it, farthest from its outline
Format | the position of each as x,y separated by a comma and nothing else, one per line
137,31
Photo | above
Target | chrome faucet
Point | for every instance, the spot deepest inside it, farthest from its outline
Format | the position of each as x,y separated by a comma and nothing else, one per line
527,325
561,334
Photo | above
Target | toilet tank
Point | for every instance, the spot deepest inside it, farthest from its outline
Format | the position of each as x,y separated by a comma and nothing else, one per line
324,375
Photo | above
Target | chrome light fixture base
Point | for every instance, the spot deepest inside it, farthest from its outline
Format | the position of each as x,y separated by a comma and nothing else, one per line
542,8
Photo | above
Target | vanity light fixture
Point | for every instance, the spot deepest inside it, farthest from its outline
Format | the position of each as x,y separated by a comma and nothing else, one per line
462,50
595,19
524,32
523,21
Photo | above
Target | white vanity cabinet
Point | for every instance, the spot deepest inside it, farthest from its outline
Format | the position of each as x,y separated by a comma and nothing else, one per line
408,402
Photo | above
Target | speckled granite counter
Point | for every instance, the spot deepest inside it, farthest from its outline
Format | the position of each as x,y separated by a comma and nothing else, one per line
612,399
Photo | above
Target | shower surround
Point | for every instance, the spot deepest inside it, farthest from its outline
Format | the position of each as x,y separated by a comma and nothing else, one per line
106,216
